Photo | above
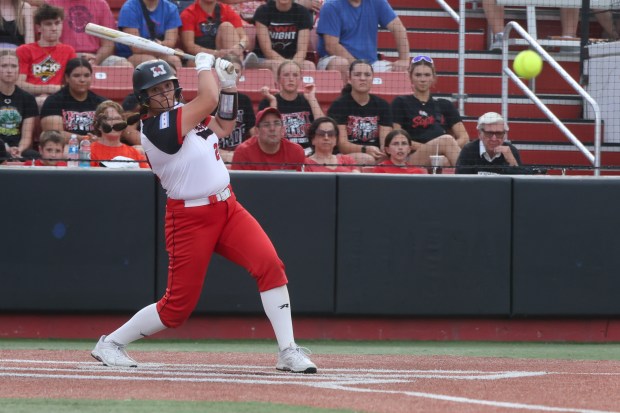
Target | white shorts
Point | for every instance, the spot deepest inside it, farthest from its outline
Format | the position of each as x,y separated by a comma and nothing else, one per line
378,66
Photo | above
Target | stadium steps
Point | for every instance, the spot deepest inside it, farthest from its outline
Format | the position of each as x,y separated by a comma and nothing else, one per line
539,140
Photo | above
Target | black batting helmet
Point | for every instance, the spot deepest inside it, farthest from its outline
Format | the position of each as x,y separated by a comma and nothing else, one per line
151,73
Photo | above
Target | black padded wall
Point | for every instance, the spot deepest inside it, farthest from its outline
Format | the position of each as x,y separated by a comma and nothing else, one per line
77,239
566,246
423,246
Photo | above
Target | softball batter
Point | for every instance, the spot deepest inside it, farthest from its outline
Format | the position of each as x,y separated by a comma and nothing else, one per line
202,213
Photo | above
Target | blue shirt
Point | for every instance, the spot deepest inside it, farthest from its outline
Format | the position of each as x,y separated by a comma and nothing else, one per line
165,16
356,27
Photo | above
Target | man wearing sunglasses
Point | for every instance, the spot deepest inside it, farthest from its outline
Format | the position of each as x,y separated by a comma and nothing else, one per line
348,30
490,153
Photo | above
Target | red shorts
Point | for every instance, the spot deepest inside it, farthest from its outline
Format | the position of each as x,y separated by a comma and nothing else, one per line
193,233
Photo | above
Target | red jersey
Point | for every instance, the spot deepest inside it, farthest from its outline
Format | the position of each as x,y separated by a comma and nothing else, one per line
194,15
387,167
101,152
249,156
38,162
44,65
345,164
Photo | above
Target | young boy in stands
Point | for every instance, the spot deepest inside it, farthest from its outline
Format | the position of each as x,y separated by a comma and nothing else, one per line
42,63
52,148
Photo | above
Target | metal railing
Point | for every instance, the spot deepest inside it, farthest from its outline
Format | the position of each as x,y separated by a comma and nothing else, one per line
595,159
460,19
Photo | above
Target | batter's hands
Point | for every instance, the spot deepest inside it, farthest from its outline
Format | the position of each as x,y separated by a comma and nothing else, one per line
204,61
226,73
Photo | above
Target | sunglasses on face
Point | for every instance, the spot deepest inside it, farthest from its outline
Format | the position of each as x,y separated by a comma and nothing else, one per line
107,128
488,134
422,58
330,133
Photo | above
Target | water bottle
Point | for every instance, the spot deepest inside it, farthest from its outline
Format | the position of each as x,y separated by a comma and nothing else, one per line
85,153
73,151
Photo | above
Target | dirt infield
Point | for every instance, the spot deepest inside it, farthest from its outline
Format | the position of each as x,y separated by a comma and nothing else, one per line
382,384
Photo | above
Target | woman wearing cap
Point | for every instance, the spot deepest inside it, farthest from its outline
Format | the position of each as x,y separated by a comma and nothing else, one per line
434,124
202,212
108,150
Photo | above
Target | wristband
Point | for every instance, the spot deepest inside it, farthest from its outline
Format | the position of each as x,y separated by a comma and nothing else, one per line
363,149
228,106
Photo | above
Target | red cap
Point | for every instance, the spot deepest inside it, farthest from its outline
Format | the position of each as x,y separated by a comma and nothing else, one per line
260,115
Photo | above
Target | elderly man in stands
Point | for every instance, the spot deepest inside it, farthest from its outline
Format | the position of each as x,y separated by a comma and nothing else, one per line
268,151
490,153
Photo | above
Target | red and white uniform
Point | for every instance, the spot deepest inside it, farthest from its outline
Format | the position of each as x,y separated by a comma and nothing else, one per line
202,215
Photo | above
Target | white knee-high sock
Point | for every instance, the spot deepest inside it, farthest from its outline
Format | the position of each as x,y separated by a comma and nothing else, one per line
278,309
144,323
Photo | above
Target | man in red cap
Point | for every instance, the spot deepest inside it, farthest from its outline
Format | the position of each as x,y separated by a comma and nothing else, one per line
268,151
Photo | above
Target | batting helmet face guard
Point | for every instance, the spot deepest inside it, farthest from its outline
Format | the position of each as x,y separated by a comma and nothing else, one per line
151,73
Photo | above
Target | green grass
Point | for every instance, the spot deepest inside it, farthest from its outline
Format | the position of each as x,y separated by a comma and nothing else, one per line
148,406
577,351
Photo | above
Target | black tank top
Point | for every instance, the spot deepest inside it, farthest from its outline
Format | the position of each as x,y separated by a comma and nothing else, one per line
9,33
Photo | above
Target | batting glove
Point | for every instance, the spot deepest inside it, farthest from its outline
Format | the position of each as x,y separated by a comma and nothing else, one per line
204,61
226,73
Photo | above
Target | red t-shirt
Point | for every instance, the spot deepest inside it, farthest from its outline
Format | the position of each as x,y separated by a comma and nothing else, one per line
387,167
289,157
345,164
44,65
193,15
38,162
101,152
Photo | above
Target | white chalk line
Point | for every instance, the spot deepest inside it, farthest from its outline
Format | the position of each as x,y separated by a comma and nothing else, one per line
329,378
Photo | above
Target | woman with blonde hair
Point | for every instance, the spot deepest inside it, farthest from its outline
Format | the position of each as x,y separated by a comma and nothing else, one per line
434,124
108,150
16,24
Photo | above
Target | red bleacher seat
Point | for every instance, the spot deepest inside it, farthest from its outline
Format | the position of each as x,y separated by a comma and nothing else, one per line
328,84
253,80
112,82
388,85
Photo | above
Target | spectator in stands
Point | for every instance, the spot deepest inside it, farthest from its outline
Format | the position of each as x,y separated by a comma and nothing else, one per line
323,134
397,148
98,51
246,120
606,19
212,27
495,17
16,24
268,151
18,108
282,32
52,148
72,109
298,110
490,153
434,124
363,119
348,30
156,20
131,113
108,126
42,63
247,8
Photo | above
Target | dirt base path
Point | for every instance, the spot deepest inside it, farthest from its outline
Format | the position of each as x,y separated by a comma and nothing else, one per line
382,384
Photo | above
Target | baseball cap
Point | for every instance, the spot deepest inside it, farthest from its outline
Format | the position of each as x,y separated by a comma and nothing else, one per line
260,115
489,118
